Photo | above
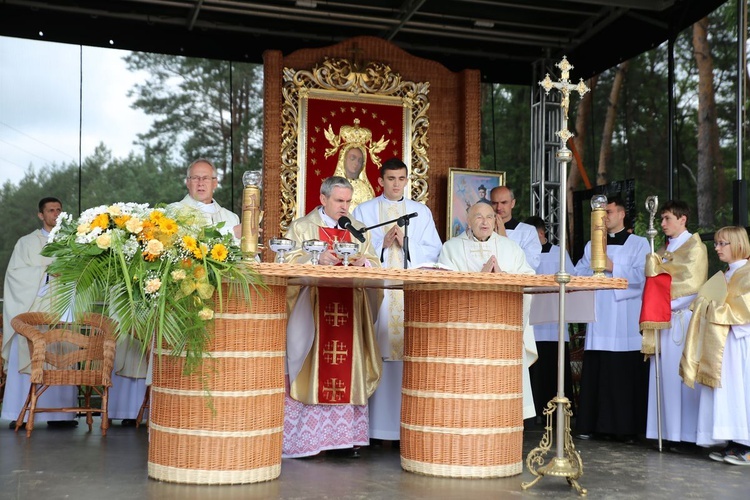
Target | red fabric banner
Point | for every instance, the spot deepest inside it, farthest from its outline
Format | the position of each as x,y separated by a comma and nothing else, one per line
383,120
336,334
657,300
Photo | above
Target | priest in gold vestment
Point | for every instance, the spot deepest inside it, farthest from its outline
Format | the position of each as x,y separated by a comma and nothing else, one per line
333,360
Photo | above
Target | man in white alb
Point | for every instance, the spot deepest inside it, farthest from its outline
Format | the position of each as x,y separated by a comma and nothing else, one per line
388,242
503,201
202,181
25,289
466,252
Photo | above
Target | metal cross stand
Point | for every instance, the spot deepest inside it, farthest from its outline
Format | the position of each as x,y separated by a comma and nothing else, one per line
567,462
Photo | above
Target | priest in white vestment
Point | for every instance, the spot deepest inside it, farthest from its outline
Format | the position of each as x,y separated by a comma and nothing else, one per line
503,201
202,181
25,290
480,248
333,360
388,241
131,374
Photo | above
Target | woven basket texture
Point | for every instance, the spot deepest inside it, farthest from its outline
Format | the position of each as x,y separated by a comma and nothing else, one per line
232,433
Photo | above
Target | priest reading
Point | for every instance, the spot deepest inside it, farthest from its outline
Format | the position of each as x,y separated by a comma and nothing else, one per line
333,360
479,248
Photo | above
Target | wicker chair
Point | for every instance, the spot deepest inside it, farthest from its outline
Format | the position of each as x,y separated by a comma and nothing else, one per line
80,354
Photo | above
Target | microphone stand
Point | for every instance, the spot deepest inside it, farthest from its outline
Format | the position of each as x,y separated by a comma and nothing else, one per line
402,221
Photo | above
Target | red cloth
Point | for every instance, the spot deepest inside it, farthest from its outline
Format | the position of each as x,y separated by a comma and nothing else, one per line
656,310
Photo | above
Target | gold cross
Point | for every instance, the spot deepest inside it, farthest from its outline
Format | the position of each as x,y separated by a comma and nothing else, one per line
333,389
332,354
334,314
565,87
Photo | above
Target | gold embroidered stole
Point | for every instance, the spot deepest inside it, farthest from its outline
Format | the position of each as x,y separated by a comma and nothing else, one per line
688,267
394,298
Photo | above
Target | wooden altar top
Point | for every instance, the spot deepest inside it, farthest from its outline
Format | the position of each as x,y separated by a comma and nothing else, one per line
379,277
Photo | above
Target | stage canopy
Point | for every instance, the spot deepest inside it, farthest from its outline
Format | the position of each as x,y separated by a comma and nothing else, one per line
501,38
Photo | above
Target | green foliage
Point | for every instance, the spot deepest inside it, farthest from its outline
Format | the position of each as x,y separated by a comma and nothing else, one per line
155,270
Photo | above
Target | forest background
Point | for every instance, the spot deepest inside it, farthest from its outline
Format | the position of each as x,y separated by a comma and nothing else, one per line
212,108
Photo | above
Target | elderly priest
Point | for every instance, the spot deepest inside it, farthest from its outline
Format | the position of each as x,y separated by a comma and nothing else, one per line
333,360
480,248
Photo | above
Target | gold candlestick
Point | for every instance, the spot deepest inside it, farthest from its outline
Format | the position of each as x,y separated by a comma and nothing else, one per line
251,213
598,234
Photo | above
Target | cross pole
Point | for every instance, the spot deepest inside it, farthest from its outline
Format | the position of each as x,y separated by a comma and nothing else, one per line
567,462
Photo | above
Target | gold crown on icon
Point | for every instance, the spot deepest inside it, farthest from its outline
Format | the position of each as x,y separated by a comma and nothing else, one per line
354,136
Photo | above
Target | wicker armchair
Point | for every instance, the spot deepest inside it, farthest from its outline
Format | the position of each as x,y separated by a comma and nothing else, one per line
80,354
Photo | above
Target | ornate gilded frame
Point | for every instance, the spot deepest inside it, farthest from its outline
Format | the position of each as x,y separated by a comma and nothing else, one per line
340,79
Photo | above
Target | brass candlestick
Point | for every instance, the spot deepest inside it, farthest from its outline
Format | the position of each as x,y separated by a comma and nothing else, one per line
251,213
567,462
598,234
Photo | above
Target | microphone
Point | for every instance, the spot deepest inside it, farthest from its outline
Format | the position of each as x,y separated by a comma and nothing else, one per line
404,219
346,223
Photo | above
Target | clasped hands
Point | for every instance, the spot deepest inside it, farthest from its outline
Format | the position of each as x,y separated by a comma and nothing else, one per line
492,266
395,234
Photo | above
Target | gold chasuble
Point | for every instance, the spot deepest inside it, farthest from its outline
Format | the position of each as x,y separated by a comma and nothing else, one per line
688,267
714,311
344,364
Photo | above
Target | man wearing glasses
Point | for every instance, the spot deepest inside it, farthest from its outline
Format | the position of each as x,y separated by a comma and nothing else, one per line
201,183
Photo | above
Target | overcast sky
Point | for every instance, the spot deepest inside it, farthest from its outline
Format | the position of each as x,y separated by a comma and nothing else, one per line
40,84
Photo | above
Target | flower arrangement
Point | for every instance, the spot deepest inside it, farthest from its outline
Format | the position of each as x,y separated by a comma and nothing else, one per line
156,270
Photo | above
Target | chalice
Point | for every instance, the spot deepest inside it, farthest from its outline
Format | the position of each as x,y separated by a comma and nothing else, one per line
344,249
314,247
281,246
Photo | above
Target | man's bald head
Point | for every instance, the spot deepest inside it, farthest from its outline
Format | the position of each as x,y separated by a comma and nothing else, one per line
481,220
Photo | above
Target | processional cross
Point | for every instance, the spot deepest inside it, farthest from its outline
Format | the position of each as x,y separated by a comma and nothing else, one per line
567,463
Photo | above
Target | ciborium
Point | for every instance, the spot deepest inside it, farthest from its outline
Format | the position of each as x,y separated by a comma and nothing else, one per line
314,248
344,249
281,246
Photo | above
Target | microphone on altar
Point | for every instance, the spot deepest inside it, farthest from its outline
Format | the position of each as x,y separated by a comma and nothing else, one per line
346,223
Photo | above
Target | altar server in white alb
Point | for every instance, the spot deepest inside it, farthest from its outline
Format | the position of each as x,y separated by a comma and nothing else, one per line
614,380
388,241
685,263
480,249
26,286
503,201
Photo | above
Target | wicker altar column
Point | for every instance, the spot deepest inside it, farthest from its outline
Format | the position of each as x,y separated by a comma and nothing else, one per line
233,433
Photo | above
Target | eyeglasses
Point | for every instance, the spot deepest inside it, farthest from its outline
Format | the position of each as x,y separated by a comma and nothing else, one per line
194,178
720,244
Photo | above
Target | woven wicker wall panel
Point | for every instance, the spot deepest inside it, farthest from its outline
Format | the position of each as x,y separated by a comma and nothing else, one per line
454,117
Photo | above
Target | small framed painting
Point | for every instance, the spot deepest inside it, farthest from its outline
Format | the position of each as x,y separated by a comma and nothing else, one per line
465,188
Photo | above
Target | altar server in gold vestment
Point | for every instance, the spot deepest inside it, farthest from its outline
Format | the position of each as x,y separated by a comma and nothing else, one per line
717,352
479,248
685,263
424,247
333,360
